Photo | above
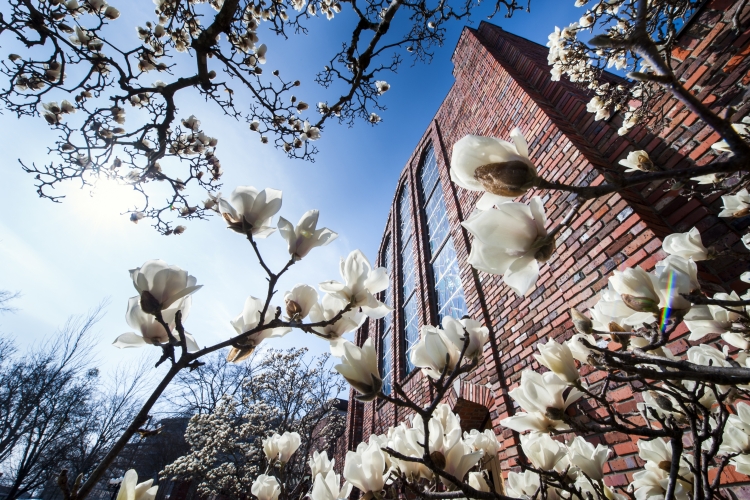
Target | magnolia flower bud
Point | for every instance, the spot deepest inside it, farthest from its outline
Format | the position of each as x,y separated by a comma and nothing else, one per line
581,323
601,41
640,304
292,309
510,178
438,459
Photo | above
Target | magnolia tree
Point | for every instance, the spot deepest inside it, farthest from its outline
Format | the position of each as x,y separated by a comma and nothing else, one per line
693,421
285,395
114,102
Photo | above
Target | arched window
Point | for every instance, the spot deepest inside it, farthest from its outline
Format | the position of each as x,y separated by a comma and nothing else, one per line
386,331
449,294
408,297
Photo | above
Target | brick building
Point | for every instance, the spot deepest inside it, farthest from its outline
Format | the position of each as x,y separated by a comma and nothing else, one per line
503,81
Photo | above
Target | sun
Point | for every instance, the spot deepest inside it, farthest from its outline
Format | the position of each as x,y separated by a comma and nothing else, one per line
106,201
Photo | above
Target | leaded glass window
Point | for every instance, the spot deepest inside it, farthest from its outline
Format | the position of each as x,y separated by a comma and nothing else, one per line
408,299
386,335
445,272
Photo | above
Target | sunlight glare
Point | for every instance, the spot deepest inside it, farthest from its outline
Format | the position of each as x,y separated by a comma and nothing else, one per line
106,202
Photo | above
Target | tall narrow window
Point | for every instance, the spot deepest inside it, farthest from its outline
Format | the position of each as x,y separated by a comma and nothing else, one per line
408,299
442,254
386,333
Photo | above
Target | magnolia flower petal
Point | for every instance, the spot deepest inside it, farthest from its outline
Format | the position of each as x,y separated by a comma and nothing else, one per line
129,339
522,275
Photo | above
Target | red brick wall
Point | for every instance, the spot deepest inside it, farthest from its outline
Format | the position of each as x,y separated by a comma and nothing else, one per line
502,81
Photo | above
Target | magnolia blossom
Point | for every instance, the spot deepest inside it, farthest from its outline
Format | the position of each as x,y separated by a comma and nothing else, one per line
543,451
365,468
722,146
736,438
299,301
498,168
524,485
326,487
149,330
511,240
305,236
654,480
477,481
703,320
485,441
281,447
255,208
408,442
382,87
559,359
328,309
434,352
600,107
248,320
541,397
161,285
686,245
456,330
361,283
359,366
736,205
266,487
637,161
707,355
578,350
130,489
320,464
587,458
610,313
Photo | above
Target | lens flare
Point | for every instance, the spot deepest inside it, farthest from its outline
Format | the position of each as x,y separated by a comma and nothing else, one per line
667,310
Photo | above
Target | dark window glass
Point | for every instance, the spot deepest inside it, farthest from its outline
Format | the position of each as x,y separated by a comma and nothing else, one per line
386,342
447,281
409,301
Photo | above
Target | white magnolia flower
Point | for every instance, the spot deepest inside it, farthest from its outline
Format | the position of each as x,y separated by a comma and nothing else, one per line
445,429
610,312
722,146
600,107
320,464
541,398
365,468
559,359
382,87
500,169
543,451
161,285
523,485
654,480
477,481
328,309
305,236
435,352
578,350
149,330
248,320
511,240
299,301
485,441
266,487
637,161
746,240
707,355
359,366
736,205
257,208
130,489
361,283
459,460
703,320
309,132
327,487
686,245
456,331
589,459
281,447
408,442
737,432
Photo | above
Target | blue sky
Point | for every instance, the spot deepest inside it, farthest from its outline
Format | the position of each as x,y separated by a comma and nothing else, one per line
66,258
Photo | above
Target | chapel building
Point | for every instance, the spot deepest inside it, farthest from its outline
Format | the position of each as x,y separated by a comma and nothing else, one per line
502,81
